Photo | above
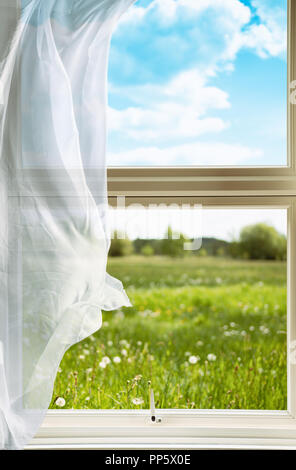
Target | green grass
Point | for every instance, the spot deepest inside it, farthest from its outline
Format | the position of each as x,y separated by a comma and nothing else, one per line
234,311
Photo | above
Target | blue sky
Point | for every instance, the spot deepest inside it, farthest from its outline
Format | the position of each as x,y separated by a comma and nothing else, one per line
199,82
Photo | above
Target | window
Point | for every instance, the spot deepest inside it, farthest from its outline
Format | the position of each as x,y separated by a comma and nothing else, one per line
268,185
199,83
207,326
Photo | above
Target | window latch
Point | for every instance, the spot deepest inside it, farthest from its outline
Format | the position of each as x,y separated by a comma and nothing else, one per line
154,419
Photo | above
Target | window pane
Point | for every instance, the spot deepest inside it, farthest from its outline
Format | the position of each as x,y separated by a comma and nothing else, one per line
199,83
207,328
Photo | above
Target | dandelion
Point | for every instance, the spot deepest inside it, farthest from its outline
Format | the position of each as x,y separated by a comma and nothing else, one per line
86,352
87,399
232,324
110,343
199,343
264,330
201,372
212,357
139,343
89,371
260,370
124,352
106,359
116,359
138,401
81,356
103,365
60,402
194,359
252,328
243,333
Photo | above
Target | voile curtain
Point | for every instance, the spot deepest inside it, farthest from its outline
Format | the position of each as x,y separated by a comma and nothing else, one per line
53,199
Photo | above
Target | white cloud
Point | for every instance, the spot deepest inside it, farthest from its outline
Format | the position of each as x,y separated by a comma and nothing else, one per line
231,21
173,111
269,37
198,153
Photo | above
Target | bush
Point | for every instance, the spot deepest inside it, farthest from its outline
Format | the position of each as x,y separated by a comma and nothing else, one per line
262,241
120,247
147,250
202,252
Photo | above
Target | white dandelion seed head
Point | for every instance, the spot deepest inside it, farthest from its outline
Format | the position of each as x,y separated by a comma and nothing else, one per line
193,359
60,401
106,359
212,357
138,401
116,359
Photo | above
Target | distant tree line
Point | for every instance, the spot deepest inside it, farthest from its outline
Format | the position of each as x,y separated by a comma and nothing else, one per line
259,241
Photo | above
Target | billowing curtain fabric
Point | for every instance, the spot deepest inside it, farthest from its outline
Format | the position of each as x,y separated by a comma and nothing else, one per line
53,232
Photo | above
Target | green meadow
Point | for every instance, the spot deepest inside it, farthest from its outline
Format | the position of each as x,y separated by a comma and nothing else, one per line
203,332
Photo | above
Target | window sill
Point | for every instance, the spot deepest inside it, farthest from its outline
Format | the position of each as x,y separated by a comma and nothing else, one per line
180,429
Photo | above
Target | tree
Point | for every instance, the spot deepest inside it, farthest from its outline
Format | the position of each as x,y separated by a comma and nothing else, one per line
173,247
262,241
120,247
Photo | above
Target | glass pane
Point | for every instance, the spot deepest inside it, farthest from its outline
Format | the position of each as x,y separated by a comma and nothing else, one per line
207,328
199,83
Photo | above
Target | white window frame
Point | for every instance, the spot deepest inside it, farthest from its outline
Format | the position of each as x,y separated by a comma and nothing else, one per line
213,187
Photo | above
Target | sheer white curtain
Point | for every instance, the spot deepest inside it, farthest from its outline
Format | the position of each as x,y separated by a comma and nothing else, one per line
53,202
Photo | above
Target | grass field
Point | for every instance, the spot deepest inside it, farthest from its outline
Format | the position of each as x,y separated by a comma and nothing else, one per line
203,332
